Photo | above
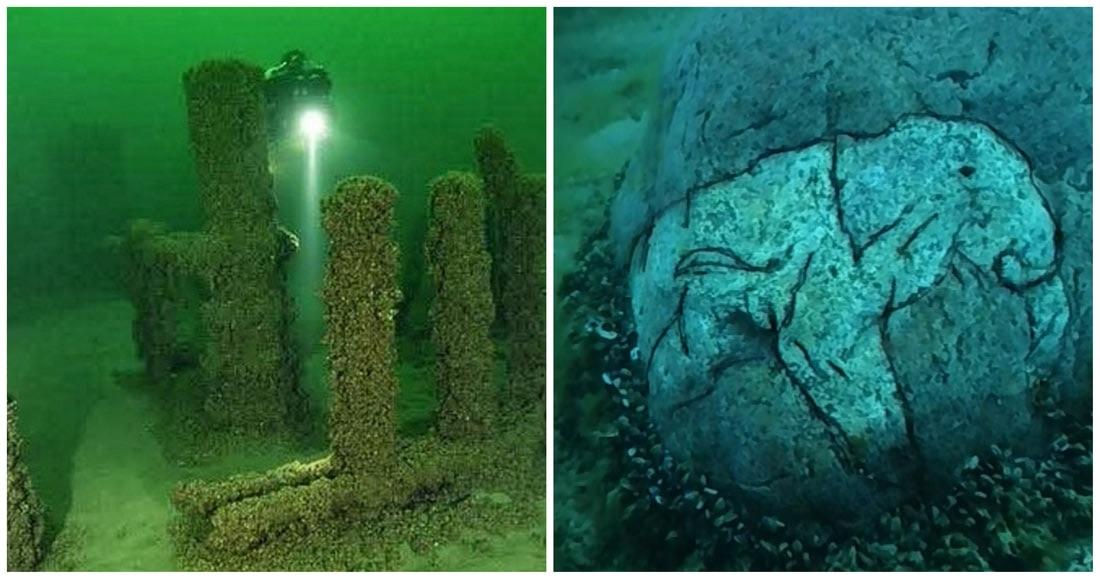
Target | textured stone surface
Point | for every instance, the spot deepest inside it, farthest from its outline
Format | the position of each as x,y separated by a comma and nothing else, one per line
26,518
249,365
516,236
462,310
843,324
747,83
361,295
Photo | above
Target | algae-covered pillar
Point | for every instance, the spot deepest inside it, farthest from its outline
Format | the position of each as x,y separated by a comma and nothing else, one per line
26,522
517,234
500,174
525,290
462,310
361,294
248,361
165,290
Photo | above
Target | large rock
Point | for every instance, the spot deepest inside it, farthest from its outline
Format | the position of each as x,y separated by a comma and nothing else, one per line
748,83
841,325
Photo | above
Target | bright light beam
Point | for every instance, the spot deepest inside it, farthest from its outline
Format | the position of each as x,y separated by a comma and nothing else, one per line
313,125
312,197
311,257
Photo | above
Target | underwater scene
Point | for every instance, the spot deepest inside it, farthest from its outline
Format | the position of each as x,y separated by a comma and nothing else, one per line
276,289
822,289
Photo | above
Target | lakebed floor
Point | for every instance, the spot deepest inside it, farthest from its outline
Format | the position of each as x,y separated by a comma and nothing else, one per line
96,462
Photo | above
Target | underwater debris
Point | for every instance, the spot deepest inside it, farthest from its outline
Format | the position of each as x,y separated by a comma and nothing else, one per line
462,311
213,304
26,519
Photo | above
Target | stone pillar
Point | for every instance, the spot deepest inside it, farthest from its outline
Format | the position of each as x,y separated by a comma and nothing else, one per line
462,309
161,276
500,174
524,291
248,361
361,294
517,234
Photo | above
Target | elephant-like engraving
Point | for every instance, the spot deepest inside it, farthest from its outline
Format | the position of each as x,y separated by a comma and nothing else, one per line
839,326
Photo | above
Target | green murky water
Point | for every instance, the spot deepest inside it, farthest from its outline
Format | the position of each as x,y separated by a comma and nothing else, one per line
97,137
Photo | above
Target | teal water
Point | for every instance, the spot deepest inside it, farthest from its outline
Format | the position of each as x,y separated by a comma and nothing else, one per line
653,106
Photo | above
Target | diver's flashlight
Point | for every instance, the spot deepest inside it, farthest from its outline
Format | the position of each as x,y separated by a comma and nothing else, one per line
312,124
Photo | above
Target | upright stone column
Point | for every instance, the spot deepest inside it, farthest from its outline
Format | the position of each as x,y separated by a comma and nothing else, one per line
462,310
500,174
524,291
517,234
249,363
360,294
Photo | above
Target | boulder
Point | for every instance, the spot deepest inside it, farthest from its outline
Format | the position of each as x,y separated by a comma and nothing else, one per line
746,84
838,326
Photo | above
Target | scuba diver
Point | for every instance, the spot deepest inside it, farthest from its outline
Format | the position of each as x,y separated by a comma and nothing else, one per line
295,89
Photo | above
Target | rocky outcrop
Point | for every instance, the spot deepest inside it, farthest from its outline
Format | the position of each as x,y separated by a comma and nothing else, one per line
747,84
840,325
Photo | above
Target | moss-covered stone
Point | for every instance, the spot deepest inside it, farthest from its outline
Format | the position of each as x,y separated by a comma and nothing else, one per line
500,173
361,295
1006,512
163,276
372,483
311,517
201,498
517,234
462,310
225,112
26,522
250,367
525,292
215,301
